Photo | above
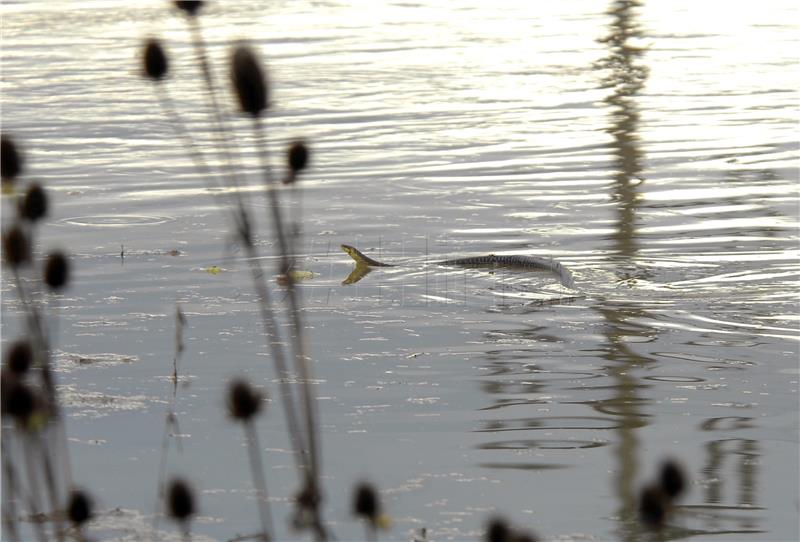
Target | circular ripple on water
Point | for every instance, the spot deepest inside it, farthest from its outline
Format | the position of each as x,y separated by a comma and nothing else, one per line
679,379
542,444
115,221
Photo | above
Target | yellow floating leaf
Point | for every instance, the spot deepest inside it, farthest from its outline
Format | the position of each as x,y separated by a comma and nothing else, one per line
213,270
299,276
383,521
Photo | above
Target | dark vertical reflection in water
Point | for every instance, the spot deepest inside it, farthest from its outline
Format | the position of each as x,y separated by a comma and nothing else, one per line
625,78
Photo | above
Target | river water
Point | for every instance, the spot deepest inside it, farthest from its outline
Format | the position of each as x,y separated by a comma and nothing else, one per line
652,148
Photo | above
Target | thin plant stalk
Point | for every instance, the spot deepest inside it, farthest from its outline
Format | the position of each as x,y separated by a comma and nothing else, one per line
56,430
245,236
171,426
301,361
300,358
10,492
33,498
50,483
259,480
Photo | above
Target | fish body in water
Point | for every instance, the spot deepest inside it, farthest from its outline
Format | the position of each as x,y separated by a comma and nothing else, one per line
513,261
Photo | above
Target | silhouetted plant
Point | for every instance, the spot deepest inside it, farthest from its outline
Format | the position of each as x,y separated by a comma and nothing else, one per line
155,60
11,161
29,390
653,503
56,271
367,506
79,510
672,479
191,7
497,530
34,203
244,402
19,357
297,159
657,500
16,247
249,81
19,402
180,504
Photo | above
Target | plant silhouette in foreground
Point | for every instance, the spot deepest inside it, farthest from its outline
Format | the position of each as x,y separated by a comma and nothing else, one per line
291,362
35,463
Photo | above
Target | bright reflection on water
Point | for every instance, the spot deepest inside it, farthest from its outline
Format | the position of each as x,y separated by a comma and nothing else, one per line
652,148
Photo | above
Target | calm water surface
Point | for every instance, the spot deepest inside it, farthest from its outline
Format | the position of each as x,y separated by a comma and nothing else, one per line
651,149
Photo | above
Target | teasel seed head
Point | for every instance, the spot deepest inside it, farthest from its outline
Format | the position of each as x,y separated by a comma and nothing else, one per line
155,60
56,270
297,156
365,502
249,81
190,7
672,479
653,504
34,203
79,508
180,500
18,401
244,401
16,248
19,357
497,530
11,161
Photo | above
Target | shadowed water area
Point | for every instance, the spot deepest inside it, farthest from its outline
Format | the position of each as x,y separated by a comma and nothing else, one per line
649,147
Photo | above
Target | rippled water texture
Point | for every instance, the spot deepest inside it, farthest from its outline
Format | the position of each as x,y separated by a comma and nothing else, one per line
651,149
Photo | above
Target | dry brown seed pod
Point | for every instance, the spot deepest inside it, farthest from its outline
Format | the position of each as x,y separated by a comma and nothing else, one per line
34,203
365,502
56,270
297,156
244,401
18,401
653,506
11,161
191,7
180,500
155,60
672,479
249,81
79,508
16,248
19,357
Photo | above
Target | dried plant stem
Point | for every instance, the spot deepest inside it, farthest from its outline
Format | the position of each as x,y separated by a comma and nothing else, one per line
259,480
33,487
298,342
271,332
242,222
300,358
10,492
50,482
56,429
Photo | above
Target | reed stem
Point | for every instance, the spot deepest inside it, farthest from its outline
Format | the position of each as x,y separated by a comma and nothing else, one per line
242,221
259,480
298,342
